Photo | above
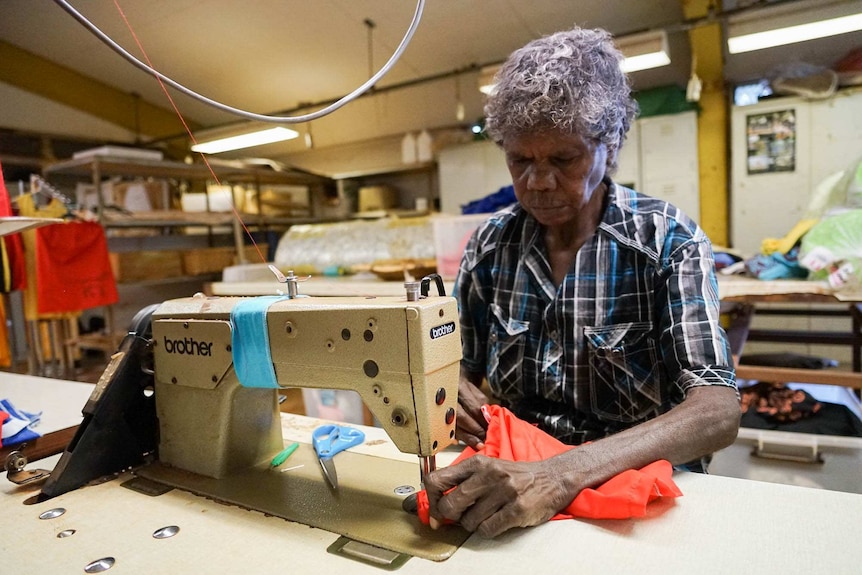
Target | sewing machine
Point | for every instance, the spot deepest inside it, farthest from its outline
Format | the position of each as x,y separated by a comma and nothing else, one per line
401,357
216,406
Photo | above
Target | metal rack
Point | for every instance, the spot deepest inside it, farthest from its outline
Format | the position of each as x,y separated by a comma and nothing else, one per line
223,230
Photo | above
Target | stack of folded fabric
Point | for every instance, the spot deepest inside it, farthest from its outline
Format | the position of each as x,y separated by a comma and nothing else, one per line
17,424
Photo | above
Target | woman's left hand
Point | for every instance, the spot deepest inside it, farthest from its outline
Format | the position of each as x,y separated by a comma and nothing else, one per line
490,496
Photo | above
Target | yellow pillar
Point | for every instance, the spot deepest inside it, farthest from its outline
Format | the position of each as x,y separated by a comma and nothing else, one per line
712,125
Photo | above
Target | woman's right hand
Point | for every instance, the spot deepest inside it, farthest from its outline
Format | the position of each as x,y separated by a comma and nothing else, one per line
471,424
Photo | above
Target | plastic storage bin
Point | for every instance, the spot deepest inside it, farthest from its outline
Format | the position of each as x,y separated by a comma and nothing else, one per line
334,405
451,234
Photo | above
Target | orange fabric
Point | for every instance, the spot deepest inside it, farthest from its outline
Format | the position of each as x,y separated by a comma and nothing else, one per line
54,209
5,349
621,497
72,268
42,341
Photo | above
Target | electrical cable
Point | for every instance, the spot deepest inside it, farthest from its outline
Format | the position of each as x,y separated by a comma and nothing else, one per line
417,16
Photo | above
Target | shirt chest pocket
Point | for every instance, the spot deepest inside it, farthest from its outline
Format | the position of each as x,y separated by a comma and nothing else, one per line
624,381
506,343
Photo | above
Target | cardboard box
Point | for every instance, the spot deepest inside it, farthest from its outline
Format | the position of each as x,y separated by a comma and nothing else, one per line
214,260
375,198
135,196
146,265
277,201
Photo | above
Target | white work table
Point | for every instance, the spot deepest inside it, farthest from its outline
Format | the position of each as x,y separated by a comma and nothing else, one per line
52,397
60,403
730,287
720,525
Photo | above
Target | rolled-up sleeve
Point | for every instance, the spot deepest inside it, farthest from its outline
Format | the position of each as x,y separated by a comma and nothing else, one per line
694,346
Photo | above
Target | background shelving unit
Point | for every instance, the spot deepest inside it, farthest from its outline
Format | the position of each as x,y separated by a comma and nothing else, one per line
216,238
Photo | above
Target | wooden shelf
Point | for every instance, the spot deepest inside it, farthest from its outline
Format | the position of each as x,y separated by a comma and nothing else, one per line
785,375
107,166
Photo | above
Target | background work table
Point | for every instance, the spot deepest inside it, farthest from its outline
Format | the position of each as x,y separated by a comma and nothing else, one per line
743,298
719,525
60,403
740,298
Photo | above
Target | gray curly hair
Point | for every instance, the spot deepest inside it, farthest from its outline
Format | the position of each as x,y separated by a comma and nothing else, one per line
570,81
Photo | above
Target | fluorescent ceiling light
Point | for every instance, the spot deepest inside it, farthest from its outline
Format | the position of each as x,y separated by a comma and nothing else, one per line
486,79
792,34
645,62
640,51
791,22
258,138
644,51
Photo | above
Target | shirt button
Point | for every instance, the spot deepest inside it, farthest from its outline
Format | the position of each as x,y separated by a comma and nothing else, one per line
554,334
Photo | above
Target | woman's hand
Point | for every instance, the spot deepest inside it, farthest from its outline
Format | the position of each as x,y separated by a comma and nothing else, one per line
490,496
471,425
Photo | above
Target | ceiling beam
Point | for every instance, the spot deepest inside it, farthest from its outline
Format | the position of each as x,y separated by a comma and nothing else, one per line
35,74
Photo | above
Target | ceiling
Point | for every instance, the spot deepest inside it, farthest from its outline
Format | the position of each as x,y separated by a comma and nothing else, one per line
271,56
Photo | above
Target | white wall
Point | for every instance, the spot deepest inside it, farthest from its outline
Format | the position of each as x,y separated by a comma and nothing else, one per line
659,158
469,172
629,160
668,160
828,140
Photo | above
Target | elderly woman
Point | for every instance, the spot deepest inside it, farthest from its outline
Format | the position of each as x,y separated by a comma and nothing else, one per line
591,310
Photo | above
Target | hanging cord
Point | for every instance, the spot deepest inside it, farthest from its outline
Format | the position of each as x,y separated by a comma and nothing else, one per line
369,23
163,80
420,5
185,124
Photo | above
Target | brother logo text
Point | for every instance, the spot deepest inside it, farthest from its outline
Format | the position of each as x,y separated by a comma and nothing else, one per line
442,330
188,346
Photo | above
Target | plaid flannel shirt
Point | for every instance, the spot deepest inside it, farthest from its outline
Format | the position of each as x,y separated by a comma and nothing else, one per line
631,328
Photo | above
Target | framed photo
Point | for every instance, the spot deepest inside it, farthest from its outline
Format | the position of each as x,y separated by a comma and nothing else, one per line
771,142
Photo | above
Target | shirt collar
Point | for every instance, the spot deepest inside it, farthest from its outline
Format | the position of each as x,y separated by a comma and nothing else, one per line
535,259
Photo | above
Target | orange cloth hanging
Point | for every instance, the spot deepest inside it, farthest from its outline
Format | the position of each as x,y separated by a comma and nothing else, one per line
624,496
27,207
42,324
5,348
72,268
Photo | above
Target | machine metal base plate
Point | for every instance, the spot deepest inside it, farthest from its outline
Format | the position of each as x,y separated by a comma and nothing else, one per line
365,507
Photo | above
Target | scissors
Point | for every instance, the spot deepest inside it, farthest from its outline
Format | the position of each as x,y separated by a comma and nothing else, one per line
331,439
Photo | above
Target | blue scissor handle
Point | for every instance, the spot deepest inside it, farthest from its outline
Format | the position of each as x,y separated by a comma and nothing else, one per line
330,439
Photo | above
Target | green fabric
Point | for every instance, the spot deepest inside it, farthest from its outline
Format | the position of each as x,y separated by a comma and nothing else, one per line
664,100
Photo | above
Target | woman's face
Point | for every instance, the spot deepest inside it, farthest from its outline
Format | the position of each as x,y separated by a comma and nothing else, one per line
554,174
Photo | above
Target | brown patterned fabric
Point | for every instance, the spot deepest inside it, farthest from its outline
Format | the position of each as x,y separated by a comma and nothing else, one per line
779,403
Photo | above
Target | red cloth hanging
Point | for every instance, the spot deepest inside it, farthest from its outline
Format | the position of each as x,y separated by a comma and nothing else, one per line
73,271
3,417
624,496
13,275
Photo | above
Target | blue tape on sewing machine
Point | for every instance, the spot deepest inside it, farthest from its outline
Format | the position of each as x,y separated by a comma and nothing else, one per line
252,358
